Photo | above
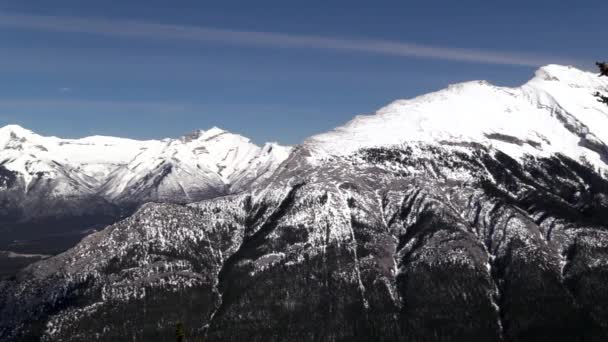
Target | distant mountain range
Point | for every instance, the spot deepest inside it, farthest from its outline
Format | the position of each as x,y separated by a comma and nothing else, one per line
51,186
476,213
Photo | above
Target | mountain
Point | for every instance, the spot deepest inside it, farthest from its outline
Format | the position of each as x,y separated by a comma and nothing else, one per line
555,112
51,186
476,213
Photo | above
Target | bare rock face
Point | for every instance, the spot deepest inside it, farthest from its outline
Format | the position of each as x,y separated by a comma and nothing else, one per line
388,244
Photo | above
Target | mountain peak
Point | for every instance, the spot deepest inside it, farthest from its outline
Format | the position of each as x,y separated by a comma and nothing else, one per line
204,134
555,112
567,74
212,132
16,129
14,136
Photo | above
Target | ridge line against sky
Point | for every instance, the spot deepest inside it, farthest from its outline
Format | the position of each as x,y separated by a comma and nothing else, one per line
147,30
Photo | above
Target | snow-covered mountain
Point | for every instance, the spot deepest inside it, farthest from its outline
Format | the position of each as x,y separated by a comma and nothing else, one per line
476,213
555,112
95,179
90,159
112,166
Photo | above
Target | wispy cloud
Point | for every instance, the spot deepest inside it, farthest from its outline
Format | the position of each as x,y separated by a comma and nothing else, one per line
65,90
143,30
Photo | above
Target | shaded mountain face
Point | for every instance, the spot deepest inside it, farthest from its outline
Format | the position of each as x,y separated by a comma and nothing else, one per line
476,236
60,189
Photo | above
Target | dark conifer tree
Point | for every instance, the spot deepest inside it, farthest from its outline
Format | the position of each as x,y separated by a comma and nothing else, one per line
603,68
179,332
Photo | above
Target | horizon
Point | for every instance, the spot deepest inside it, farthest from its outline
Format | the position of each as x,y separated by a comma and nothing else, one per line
269,72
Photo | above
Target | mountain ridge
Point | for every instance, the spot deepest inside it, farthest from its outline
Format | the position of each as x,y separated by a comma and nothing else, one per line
22,148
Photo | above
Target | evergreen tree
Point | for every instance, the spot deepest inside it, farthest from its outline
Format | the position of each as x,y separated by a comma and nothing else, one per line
179,332
603,68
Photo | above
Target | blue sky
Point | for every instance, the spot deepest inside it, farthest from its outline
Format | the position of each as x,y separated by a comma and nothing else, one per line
270,70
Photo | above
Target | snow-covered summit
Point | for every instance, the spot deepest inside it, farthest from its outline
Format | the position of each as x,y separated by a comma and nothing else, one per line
14,129
555,112
204,134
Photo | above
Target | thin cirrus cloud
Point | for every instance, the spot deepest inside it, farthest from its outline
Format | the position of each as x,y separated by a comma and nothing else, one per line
135,29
